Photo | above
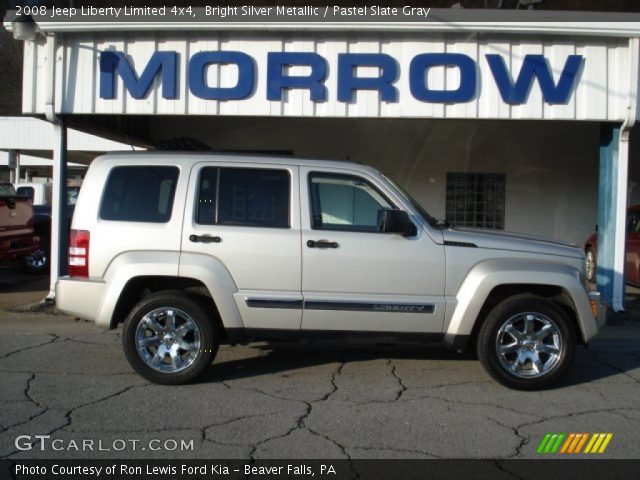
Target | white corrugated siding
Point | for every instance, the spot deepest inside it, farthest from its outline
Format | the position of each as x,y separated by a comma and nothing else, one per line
602,92
26,133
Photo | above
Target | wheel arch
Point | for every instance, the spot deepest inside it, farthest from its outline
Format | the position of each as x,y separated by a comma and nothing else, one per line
555,293
132,275
492,281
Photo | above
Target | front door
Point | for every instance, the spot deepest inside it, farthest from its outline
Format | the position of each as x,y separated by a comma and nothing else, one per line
356,278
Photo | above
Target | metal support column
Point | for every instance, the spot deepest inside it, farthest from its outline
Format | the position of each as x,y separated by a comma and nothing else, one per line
17,157
59,223
612,214
14,166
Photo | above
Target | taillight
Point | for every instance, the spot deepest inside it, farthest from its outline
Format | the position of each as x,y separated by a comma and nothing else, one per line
79,253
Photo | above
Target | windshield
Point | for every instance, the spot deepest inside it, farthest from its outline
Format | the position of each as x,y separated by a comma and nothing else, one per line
434,222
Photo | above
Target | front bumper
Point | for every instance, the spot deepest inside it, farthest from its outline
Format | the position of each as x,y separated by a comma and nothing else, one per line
598,308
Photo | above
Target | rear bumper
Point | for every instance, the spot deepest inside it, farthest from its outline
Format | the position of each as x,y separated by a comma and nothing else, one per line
17,247
79,298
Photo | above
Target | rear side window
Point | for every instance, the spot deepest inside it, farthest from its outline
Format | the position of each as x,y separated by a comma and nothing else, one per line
139,194
244,196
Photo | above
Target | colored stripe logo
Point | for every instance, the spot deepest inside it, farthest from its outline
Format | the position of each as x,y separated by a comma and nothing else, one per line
573,443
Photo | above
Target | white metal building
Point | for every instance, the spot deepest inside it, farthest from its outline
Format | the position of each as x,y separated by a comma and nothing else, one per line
26,149
519,123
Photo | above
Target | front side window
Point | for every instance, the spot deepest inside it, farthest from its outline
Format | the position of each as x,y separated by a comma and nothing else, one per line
139,194
243,196
345,202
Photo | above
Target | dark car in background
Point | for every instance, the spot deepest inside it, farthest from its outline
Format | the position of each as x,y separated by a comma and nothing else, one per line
41,195
17,236
632,264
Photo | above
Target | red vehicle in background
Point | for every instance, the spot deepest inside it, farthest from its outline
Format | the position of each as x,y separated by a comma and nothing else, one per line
17,237
632,265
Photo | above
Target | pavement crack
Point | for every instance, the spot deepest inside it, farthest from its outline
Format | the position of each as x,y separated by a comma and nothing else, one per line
68,413
397,450
300,422
523,440
32,417
53,336
403,388
85,342
478,404
28,395
334,385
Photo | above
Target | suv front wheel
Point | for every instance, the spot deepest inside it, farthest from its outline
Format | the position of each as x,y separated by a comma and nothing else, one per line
527,342
170,338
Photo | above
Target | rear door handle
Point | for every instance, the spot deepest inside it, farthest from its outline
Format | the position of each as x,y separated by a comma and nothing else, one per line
204,239
322,244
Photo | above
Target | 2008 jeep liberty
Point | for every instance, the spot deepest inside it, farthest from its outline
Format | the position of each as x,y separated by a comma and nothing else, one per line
194,250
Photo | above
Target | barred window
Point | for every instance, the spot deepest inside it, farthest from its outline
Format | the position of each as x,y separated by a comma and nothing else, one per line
476,199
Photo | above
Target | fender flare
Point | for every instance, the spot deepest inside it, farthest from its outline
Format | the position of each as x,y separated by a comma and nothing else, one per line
218,280
203,268
489,274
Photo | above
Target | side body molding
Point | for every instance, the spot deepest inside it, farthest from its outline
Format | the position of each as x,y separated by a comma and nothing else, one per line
462,312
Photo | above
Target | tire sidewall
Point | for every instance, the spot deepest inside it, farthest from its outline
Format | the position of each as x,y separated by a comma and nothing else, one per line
504,311
208,337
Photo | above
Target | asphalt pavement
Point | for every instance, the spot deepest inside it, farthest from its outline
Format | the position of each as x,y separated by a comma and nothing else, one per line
68,381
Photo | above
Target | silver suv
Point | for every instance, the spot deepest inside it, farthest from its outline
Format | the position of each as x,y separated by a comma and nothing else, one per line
191,251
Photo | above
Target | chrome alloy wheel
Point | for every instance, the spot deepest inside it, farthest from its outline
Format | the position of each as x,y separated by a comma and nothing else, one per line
36,260
168,340
529,345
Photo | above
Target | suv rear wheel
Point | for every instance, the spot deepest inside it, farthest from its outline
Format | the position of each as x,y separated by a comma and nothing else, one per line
527,342
170,338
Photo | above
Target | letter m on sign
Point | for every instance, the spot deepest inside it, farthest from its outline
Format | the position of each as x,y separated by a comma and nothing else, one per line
535,66
112,62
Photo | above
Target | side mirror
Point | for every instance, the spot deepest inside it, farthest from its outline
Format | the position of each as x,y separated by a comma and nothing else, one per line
396,221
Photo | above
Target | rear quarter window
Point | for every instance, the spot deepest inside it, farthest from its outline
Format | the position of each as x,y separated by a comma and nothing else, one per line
139,194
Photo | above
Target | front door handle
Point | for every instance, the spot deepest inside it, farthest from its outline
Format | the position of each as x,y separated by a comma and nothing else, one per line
204,239
322,244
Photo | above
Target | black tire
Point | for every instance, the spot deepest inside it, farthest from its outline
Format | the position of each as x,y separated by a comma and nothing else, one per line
510,311
36,262
590,273
197,360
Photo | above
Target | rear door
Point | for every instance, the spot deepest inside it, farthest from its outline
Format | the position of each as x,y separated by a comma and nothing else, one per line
356,278
247,217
